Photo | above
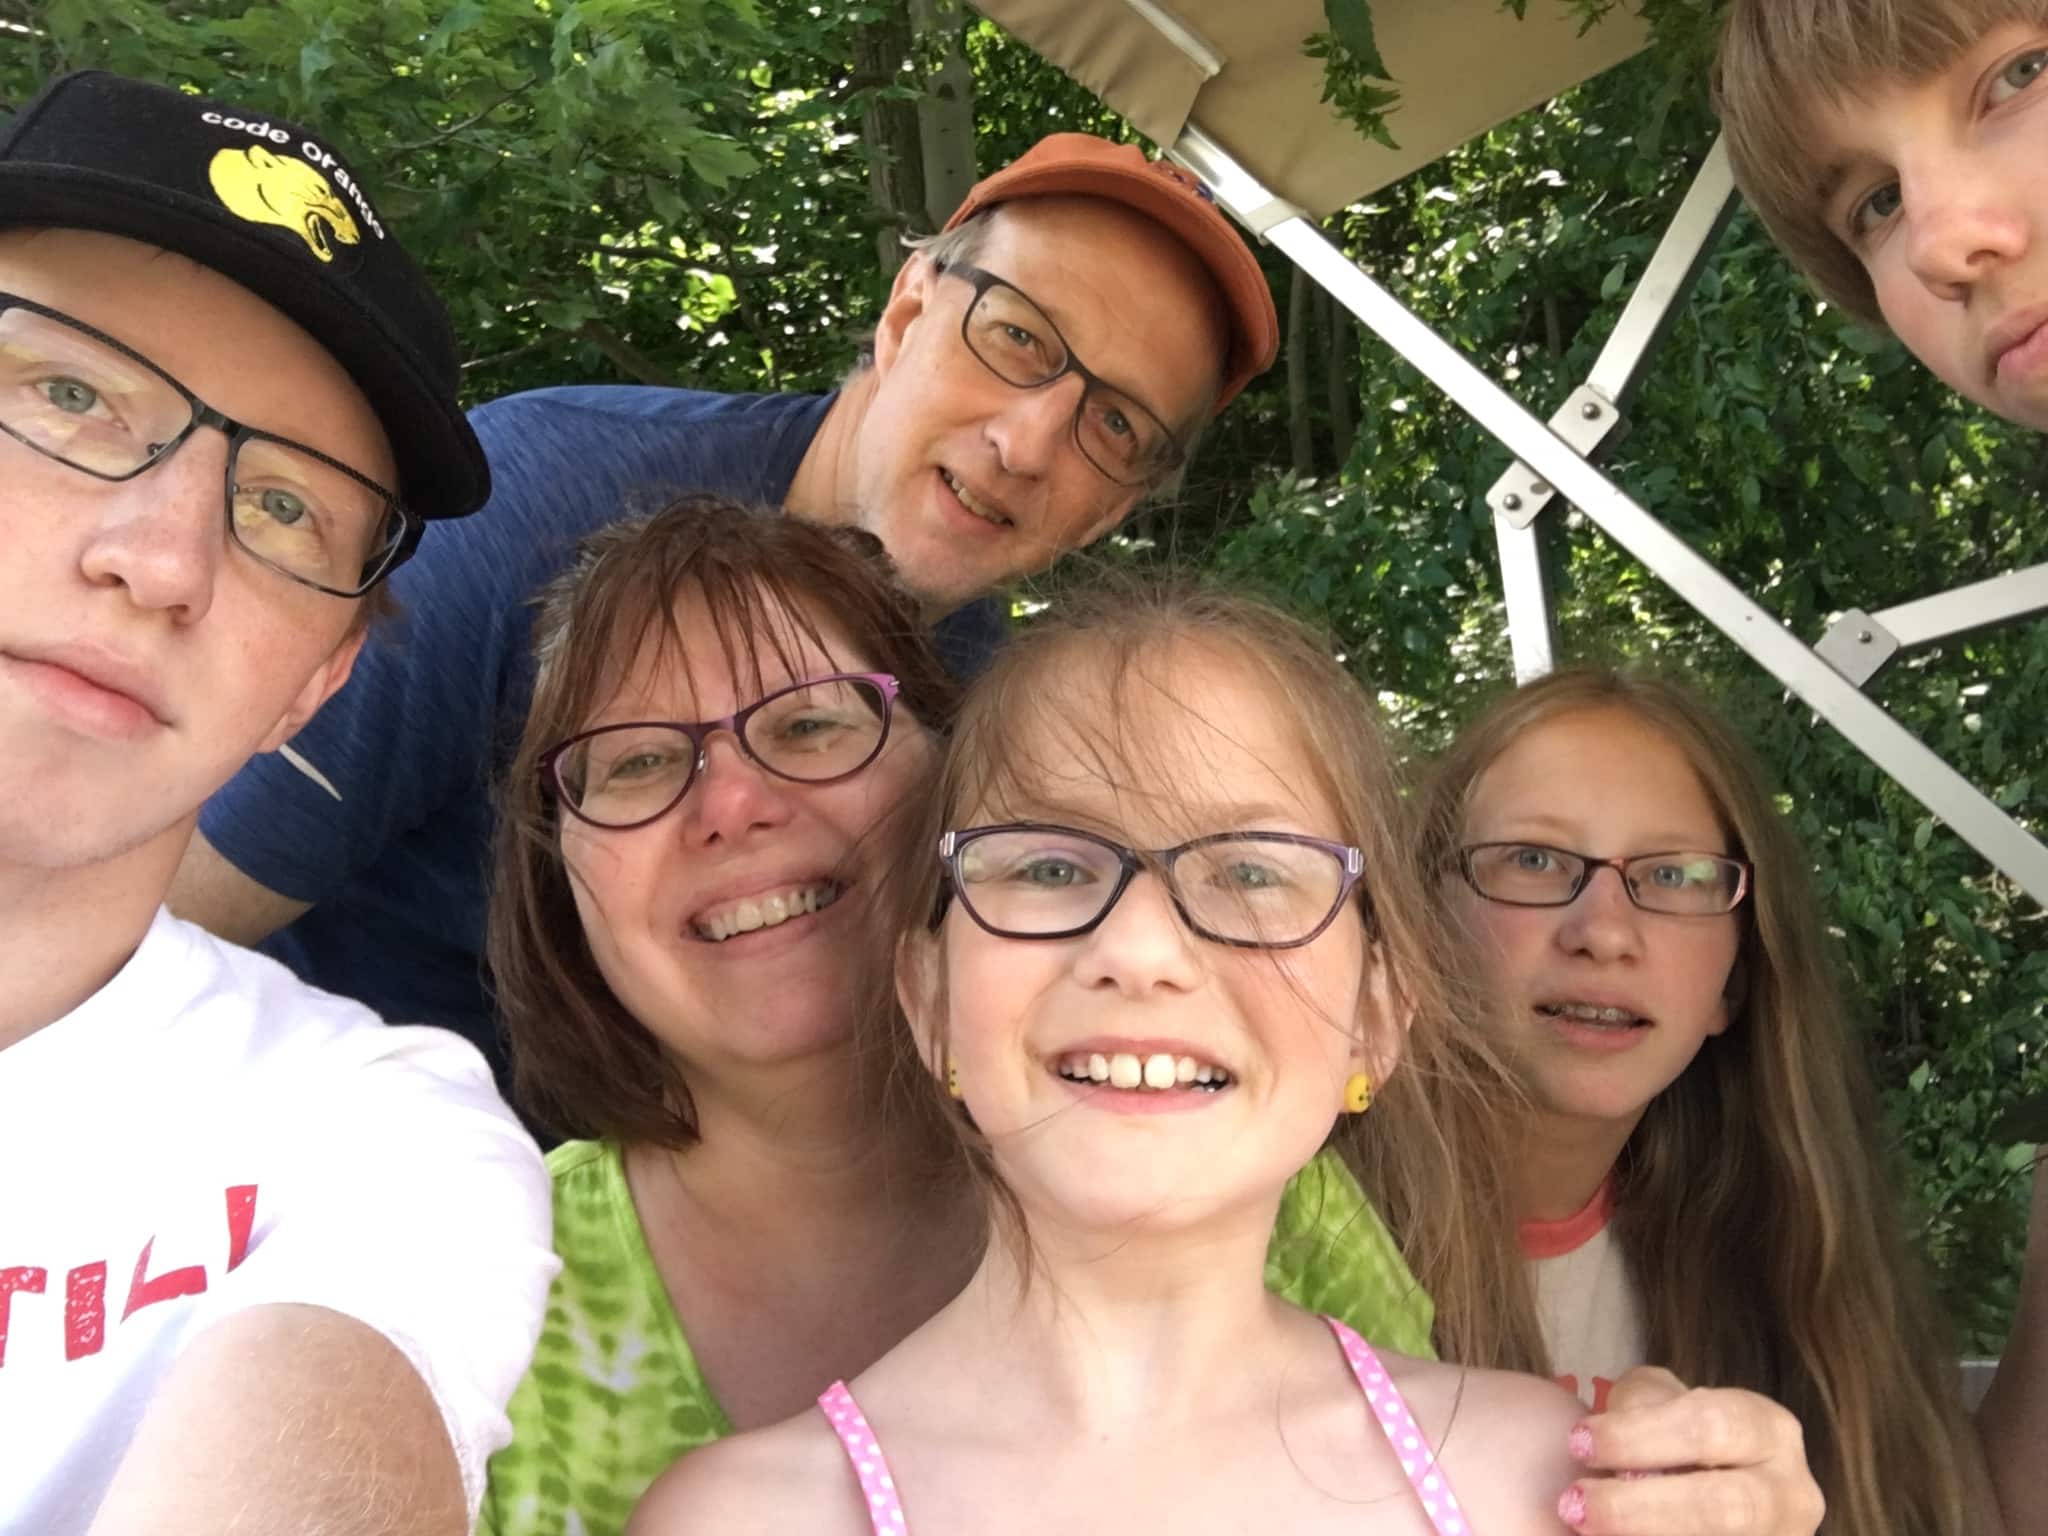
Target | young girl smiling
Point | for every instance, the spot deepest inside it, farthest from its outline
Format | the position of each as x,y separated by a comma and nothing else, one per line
1161,928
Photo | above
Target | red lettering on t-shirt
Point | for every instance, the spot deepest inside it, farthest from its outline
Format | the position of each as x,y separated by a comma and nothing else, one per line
146,1290
85,1286
22,1277
241,1221
85,1310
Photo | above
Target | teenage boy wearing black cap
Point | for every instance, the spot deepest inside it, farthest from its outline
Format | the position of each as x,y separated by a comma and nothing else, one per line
973,465
265,1264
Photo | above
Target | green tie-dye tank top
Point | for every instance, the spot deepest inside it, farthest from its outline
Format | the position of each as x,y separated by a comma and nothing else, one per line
614,1394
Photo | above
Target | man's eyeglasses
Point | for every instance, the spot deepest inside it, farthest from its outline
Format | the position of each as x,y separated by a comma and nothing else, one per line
1255,890
624,776
80,397
1677,884
1017,342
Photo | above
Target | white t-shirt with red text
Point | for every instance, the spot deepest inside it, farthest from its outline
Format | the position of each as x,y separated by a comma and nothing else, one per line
1592,1319
207,1134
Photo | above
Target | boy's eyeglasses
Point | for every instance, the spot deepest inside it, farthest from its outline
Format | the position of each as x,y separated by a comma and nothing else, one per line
813,732
76,395
1017,342
1256,890
1679,884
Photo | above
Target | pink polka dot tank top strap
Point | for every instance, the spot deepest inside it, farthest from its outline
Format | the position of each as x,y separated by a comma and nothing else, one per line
877,1486
1390,1411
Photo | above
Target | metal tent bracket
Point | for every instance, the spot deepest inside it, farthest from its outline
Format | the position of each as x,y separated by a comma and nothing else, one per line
1859,645
1595,415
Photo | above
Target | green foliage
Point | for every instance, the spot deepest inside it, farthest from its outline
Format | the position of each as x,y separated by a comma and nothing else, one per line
675,189
641,189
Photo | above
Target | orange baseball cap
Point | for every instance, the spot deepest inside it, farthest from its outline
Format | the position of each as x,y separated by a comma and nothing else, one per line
1082,165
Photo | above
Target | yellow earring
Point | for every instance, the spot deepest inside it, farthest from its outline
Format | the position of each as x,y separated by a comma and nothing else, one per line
953,1080
1358,1093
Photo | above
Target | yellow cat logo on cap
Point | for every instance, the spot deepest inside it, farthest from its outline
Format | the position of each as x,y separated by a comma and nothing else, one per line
264,189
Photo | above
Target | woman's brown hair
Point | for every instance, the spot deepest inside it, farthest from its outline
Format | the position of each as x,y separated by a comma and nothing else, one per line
581,1064
1429,1154
1752,1202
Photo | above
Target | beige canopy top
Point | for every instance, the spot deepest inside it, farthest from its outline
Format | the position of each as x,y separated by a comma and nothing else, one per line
1235,69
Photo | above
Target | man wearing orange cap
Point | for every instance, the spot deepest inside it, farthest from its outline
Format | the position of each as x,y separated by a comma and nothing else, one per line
1040,367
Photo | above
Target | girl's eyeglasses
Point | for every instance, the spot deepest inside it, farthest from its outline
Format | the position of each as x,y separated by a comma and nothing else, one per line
1257,890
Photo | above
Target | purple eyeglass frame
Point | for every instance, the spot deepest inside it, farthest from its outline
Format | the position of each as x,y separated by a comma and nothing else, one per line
700,733
1133,860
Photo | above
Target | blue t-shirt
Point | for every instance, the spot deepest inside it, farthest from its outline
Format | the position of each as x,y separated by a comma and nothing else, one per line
397,869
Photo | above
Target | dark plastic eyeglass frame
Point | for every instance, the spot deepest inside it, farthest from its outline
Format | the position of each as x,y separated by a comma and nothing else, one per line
1134,860
981,281
411,524
700,733
1593,866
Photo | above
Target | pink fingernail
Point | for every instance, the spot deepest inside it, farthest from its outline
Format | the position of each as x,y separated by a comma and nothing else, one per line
1581,1443
1571,1506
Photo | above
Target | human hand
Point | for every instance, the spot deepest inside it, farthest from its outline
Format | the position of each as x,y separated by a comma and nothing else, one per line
1664,1460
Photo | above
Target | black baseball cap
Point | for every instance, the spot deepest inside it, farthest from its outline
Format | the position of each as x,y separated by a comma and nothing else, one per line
271,205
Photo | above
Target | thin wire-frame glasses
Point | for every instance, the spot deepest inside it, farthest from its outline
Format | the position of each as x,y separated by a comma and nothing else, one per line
1253,890
1017,341
814,732
78,396
1681,883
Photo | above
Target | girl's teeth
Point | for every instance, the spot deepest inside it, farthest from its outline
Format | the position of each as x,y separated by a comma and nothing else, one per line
1129,1071
1590,1014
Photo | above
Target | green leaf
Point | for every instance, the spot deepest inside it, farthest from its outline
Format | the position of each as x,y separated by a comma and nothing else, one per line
720,161
316,58
1610,285
663,199
463,16
1351,20
1917,1082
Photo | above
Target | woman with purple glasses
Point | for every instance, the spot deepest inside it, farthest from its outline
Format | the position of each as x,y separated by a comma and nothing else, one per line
729,706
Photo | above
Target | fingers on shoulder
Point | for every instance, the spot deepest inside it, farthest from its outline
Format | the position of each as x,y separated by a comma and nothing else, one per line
1703,1427
1718,1503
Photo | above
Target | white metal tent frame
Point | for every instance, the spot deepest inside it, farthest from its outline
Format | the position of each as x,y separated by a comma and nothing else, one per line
1133,52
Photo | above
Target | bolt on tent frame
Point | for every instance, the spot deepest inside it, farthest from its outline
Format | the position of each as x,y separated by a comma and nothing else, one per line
1226,87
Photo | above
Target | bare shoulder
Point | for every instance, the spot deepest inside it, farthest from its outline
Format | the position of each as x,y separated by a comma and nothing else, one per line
791,1476
1501,1440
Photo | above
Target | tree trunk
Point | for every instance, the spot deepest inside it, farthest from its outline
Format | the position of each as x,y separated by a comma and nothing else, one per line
1339,346
945,115
890,129
1298,434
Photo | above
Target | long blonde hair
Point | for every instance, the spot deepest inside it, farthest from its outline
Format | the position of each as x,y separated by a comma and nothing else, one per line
1430,1155
1752,1201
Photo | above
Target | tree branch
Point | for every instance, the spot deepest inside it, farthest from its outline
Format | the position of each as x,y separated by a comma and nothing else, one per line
624,356
468,122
